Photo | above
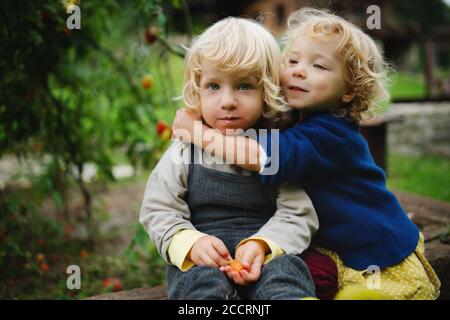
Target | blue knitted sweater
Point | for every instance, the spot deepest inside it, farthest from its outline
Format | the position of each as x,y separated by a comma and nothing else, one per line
359,218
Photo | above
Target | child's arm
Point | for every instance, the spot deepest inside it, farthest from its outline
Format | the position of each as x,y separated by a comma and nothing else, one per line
165,214
292,226
238,150
318,147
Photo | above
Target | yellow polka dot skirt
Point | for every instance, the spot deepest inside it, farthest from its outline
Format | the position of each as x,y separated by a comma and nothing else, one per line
411,279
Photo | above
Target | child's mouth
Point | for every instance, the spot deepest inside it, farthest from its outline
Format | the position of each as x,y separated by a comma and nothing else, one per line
297,89
229,119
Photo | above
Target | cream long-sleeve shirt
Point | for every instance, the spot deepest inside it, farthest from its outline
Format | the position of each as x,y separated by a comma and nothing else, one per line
165,214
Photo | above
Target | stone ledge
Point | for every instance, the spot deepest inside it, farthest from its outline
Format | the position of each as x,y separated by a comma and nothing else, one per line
145,293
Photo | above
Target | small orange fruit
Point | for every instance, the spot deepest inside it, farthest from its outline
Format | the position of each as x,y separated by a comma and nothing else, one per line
40,257
236,265
43,266
147,82
160,127
84,253
113,284
166,134
66,31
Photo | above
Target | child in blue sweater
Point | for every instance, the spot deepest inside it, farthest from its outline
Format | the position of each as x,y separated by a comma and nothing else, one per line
334,74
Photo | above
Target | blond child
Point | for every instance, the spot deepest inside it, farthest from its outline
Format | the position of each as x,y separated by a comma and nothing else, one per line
333,74
201,212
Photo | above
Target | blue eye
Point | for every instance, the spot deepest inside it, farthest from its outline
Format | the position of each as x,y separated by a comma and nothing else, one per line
244,86
213,86
318,66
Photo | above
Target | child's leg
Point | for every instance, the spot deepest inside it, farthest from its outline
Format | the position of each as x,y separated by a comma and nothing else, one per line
199,283
285,277
324,273
411,279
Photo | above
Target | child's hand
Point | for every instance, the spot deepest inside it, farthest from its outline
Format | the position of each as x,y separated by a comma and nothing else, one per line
251,255
209,251
186,124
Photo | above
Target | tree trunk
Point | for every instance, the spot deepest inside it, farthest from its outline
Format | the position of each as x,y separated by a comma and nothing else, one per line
87,199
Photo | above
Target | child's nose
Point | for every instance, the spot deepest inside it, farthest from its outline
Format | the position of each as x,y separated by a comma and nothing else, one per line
228,101
300,71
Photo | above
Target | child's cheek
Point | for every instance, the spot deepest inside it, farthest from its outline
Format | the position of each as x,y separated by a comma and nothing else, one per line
283,80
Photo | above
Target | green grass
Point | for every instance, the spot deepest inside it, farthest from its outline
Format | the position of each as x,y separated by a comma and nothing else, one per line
407,86
428,176
403,86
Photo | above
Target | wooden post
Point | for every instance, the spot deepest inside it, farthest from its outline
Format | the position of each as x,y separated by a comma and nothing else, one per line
430,61
375,132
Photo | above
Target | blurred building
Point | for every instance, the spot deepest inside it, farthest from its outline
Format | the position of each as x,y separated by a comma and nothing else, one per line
273,14
415,35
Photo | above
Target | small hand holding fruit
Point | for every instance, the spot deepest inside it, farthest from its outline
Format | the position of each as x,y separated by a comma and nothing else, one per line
249,259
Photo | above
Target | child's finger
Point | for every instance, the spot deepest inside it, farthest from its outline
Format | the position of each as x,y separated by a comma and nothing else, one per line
237,278
225,269
228,272
208,261
234,275
255,271
216,257
248,258
251,276
221,248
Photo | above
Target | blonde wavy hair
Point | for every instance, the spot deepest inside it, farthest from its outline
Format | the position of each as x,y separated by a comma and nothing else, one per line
237,44
366,70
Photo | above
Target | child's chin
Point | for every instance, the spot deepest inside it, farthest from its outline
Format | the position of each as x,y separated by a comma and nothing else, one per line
296,106
230,131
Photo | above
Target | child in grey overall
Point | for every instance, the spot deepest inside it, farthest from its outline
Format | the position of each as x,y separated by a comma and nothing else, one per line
199,211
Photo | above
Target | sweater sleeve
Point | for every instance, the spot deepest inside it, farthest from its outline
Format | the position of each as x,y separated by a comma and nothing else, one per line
305,150
180,246
275,249
164,210
294,222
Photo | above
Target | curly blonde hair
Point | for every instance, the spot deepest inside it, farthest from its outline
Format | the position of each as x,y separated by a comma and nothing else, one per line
366,70
237,44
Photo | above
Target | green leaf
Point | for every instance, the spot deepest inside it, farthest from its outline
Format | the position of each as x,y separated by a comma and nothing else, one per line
162,19
57,199
176,4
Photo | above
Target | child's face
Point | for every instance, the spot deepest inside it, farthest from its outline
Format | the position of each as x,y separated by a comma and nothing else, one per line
229,100
313,77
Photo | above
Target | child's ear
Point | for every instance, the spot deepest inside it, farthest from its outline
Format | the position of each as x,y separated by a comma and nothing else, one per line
349,96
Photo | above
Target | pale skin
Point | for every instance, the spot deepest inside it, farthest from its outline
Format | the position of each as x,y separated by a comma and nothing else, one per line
229,100
313,80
